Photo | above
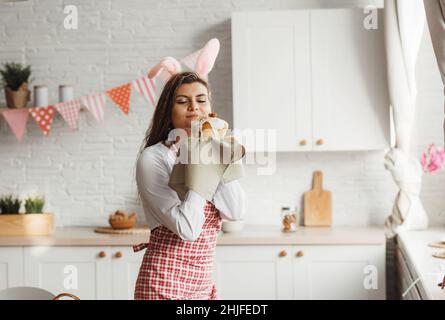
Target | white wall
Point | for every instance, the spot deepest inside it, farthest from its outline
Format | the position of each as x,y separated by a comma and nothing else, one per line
88,174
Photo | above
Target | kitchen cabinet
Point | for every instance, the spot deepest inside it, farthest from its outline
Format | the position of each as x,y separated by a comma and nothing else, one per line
11,267
83,271
300,272
252,272
240,272
315,78
125,269
88,272
259,262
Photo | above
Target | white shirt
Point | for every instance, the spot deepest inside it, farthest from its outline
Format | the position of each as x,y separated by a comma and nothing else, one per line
162,205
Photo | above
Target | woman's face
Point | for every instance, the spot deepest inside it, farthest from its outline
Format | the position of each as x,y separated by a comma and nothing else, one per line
191,101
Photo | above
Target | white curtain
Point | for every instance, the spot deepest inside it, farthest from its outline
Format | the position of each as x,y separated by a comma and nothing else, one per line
404,22
435,14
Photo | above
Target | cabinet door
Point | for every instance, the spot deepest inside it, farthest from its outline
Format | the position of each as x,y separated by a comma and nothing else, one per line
253,272
11,267
271,79
83,271
339,272
349,88
126,265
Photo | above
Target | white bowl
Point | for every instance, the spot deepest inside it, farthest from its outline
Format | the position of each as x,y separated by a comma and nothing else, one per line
232,226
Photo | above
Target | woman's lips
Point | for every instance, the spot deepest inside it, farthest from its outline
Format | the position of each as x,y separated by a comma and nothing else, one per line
193,116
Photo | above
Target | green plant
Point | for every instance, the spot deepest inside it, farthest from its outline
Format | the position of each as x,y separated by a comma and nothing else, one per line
14,74
10,205
34,205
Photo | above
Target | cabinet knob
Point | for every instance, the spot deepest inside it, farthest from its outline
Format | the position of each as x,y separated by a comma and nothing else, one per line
319,142
299,254
102,254
282,253
303,142
118,254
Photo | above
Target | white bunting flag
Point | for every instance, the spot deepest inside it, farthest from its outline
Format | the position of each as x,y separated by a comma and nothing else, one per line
69,111
146,88
95,104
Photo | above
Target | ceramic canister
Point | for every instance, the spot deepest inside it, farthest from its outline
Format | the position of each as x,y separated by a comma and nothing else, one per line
40,96
66,93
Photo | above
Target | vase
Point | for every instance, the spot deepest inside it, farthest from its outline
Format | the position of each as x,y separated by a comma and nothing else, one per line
19,98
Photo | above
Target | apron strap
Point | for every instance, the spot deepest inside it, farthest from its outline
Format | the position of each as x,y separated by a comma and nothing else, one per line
140,247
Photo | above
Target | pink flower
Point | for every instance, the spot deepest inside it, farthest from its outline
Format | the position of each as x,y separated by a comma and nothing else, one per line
433,160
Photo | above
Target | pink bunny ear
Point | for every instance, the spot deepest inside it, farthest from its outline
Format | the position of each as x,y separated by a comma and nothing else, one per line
168,63
207,57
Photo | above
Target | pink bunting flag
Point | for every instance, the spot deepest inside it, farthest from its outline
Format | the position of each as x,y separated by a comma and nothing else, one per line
43,117
69,111
146,87
17,119
95,104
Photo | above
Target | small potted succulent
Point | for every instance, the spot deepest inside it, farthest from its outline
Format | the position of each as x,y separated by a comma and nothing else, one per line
10,205
30,223
15,78
34,205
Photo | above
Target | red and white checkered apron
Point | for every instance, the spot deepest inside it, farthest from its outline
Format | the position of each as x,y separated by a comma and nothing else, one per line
176,269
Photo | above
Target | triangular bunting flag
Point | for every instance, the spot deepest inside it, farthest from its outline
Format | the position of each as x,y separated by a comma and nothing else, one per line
146,87
95,104
17,121
69,111
121,96
44,117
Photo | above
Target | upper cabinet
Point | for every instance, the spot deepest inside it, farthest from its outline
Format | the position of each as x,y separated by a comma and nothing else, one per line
316,78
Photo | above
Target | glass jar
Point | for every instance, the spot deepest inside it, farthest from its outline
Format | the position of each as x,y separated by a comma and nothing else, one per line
288,220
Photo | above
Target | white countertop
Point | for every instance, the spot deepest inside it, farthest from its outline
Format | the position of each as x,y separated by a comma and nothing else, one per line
250,235
430,269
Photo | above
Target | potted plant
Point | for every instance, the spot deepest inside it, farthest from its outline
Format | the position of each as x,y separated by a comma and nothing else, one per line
15,78
31,223
10,205
34,205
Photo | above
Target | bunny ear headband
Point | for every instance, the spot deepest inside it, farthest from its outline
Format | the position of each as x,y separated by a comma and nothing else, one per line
201,62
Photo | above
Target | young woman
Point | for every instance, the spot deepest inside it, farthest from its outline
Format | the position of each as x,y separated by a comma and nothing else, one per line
178,262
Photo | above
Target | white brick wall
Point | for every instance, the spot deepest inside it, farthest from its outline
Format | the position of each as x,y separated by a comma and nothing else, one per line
88,174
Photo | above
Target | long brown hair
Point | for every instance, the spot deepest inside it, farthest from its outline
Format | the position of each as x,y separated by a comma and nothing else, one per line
162,123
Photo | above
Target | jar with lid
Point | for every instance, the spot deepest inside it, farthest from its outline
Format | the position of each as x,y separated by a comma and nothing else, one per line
288,219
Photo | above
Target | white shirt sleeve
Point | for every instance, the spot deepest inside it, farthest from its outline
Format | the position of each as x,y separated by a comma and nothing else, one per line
184,218
231,200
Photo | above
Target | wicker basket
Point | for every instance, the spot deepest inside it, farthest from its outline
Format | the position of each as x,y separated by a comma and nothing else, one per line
121,220
126,224
65,294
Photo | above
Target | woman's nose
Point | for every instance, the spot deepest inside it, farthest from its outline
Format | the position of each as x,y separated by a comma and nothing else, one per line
193,106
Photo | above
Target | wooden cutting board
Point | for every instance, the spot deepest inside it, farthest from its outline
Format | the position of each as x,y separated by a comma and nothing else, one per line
317,204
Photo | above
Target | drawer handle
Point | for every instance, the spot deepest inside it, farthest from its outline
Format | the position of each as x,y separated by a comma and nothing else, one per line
118,254
303,142
102,254
319,142
282,253
299,254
